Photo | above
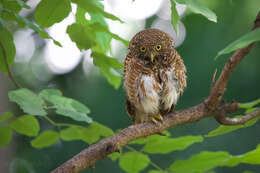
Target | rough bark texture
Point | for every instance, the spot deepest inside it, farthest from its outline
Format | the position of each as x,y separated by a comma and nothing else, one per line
212,106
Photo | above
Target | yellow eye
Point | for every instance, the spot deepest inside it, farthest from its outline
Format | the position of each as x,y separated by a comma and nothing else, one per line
158,47
142,49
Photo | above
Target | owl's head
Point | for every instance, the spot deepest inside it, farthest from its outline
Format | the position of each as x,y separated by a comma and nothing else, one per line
151,45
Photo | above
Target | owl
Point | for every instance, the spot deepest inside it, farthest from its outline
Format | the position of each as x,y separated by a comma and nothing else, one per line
154,76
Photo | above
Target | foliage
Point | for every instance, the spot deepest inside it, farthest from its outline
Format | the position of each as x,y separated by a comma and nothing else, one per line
94,34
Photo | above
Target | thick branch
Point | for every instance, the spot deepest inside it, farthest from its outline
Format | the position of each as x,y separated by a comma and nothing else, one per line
211,106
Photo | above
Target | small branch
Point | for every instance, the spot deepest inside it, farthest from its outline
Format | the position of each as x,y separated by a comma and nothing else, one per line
7,66
213,105
238,121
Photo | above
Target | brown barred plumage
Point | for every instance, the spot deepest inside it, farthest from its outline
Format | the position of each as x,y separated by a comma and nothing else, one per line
154,75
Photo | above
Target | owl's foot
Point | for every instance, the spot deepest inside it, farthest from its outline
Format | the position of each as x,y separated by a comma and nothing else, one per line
157,117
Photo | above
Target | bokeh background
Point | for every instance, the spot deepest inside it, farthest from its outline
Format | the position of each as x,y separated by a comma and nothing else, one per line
41,64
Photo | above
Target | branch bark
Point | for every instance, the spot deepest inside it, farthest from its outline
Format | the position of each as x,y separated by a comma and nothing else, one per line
212,106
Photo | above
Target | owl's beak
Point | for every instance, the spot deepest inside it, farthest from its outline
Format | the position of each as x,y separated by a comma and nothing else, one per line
152,57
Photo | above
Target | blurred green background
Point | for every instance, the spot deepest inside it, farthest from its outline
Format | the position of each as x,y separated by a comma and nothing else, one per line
203,40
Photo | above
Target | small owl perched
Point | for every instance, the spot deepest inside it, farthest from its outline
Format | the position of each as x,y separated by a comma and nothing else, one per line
154,76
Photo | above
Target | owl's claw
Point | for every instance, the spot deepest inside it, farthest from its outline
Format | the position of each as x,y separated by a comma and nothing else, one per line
157,117
154,120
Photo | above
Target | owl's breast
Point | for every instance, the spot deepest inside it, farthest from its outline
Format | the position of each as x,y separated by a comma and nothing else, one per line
170,89
149,94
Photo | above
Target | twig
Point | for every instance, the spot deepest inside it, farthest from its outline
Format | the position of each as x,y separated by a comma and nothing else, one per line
211,106
7,66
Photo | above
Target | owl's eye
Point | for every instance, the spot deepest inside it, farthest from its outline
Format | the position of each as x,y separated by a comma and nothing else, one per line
142,49
158,47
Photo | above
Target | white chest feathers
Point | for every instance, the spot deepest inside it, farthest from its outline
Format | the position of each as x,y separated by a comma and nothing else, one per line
154,96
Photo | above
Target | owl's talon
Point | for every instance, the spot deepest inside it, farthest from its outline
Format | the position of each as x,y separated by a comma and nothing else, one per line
158,117
154,120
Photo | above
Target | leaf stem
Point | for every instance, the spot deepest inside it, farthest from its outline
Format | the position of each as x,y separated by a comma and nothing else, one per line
7,66
151,162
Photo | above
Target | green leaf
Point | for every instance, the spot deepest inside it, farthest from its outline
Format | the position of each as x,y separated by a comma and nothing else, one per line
197,7
156,171
114,156
48,93
166,145
92,6
82,35
94,131
201,162
5,135
70,108
41,32
101,28
5,116
28,101
7,49
106,67
23,4
252,157
71,133
249,104
26,125
11,5
175,16
241,42
45,139
133,162
49,12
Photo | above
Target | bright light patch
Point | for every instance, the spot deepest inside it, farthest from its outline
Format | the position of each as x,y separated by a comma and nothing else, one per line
24,52
133,10
62,59
165,10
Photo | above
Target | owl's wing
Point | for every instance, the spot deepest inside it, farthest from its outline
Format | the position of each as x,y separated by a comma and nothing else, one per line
131,76
179,71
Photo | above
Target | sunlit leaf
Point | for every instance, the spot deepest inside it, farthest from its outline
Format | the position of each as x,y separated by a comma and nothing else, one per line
174,16
241,42
71,133
106,65
49,12
5,116
133,162
197,7
82,35
70,108
166,145
28,101
199,163
5,135
249,104
45,139
7,49
26,125
94,131
94,7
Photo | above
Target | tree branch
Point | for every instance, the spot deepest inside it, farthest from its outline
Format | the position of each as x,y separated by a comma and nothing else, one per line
211,106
